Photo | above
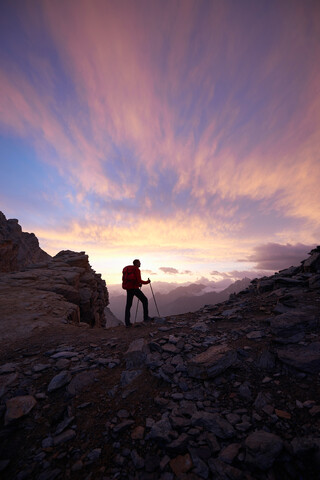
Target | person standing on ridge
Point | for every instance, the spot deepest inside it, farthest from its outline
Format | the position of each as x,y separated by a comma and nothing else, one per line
132,282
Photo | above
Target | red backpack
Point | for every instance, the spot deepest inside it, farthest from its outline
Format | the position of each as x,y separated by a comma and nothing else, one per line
129,277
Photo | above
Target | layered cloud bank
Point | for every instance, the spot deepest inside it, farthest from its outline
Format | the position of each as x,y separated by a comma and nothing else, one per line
186,133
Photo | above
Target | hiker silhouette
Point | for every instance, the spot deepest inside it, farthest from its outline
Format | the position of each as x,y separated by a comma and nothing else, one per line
132,282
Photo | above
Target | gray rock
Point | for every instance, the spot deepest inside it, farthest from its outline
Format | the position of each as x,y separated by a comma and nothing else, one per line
122,426
262,448
229,453
263,399
212,362
80,382
63,425
266,361
136,354
39,367
5,381
18,407
65,354
8,368
291,327
302,357
314,282
94,455
199,466
213,422
50,474
59,381
179,444
223,471
128,376
200,327
256,335
160,431
138,461
63,437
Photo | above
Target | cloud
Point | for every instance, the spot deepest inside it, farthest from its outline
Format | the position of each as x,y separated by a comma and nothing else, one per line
273,256
170,270
158,146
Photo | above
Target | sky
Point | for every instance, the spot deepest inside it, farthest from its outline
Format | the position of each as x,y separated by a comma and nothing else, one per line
183,133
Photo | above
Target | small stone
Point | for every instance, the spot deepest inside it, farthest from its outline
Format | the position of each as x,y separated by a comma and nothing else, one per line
8,368
39,367
94,455
138,433
160,431
138,461
59,381
49,474
80,382
18,407
181,464
47,442
229,453
213,422
64,437
315,410
262,448
76,467
66,354
128,376
122,426
62,363
282,414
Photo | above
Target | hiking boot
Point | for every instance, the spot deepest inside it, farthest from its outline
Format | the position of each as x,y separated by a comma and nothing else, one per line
128,325
148,319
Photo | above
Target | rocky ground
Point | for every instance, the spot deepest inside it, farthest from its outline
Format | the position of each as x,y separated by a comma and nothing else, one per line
230,392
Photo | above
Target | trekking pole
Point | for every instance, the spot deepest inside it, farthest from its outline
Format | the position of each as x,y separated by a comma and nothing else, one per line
154,299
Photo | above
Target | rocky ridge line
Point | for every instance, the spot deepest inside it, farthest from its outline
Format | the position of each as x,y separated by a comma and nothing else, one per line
230,392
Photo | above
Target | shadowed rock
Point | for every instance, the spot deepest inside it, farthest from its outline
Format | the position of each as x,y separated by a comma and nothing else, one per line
212,362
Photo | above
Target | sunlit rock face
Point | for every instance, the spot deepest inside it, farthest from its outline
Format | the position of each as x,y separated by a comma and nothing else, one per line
43,289
18,249
69,276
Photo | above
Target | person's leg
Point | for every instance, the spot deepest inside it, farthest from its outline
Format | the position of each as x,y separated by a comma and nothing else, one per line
144,302
130,294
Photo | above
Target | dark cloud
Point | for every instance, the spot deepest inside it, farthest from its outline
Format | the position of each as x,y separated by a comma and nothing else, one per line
170,270
273,256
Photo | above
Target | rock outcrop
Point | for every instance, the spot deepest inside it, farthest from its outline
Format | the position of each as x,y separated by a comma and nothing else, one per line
65,288
18,249
37,290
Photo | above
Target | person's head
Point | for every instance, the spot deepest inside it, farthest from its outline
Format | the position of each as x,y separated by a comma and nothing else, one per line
136,263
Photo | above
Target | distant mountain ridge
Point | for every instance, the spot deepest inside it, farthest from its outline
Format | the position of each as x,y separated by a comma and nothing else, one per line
182,299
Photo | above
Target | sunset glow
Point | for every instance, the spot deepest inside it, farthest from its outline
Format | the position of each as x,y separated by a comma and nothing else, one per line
184,133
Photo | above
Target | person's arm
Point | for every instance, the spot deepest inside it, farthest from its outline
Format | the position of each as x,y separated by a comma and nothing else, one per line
142,282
